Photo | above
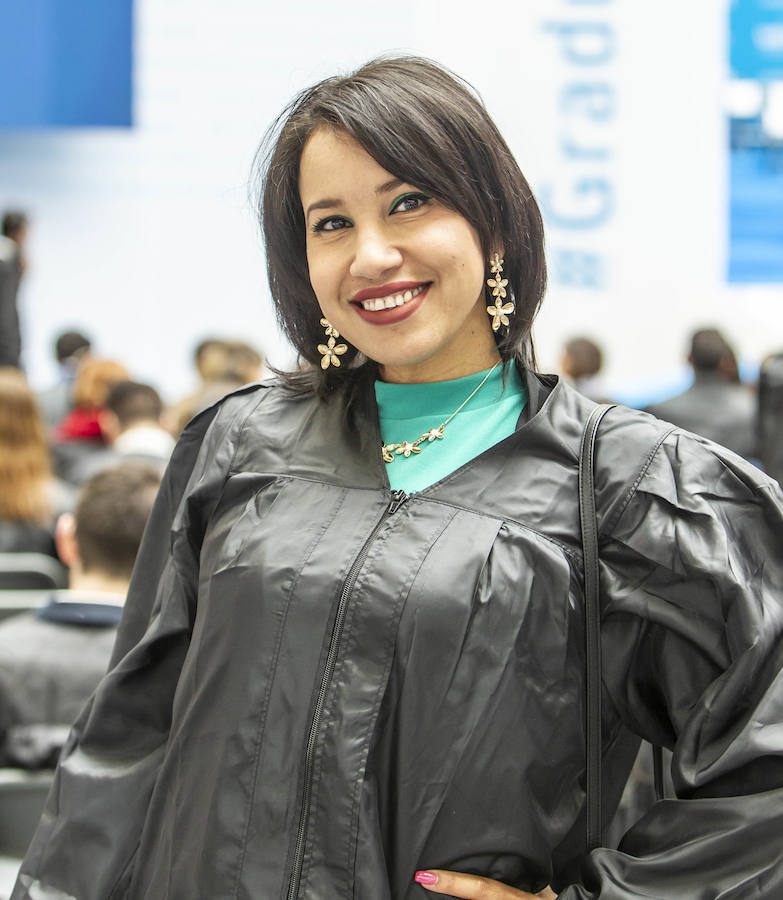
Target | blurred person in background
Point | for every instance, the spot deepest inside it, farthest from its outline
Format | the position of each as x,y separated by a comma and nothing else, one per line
223,366
770,413
245,364
52,659
94,378
716,405
133,425
30,496
209,360
12,267
80,434
70,348
580,363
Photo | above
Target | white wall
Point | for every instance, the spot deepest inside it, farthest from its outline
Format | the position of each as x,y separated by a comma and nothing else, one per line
144,238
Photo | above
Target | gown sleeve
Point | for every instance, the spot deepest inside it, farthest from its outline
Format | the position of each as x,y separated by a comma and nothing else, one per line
86,841
692,637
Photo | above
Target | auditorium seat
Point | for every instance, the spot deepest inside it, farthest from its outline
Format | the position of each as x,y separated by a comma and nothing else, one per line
31,571
19,601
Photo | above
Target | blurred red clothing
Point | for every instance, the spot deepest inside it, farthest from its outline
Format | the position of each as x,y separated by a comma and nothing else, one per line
81,423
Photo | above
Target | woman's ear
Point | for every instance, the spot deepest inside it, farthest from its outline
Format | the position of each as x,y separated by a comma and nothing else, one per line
65,540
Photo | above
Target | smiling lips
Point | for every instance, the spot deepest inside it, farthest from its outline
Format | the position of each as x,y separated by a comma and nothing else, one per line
391,300
389,303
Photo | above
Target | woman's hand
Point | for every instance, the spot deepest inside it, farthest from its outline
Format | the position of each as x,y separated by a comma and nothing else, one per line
474,887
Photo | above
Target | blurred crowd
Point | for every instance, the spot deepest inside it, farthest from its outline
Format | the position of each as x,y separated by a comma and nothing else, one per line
80,466
94,416
717,405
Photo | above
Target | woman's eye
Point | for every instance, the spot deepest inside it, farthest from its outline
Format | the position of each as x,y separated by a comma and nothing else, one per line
331,223
409,202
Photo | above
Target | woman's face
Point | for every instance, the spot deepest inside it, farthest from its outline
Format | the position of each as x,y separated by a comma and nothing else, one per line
400,276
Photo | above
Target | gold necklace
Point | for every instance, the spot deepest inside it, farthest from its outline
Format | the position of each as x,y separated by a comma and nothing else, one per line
390,451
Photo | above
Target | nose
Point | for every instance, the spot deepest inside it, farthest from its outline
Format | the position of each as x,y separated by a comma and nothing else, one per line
374,254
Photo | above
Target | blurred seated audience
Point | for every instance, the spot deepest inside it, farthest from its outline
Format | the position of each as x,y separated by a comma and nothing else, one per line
716,406
52,659
70,348
223,366
770,413
30,496
94,377
132,423
580,363
80,433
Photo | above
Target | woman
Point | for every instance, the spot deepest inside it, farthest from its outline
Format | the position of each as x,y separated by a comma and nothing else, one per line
80,437
91,387
223,366
351,660
29,495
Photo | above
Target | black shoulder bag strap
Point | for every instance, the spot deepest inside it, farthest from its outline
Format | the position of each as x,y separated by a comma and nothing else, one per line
589,526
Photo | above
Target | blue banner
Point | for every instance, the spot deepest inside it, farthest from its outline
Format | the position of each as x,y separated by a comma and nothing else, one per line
757,39
66,63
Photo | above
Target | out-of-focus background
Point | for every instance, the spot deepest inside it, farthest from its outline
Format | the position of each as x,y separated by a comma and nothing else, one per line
132,278
652,134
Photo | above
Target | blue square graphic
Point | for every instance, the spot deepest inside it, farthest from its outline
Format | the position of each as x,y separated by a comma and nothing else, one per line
756,145
66,63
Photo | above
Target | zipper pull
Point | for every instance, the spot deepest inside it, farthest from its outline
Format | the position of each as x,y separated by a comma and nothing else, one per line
397,499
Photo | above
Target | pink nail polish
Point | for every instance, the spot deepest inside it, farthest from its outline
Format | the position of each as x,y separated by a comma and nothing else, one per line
426,878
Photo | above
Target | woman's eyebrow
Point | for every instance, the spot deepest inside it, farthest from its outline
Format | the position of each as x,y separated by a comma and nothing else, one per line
389,185
330,202
326,203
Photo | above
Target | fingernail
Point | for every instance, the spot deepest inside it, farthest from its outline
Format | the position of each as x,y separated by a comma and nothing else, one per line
426,878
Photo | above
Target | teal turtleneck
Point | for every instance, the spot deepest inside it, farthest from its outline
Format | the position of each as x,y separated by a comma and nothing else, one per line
406,411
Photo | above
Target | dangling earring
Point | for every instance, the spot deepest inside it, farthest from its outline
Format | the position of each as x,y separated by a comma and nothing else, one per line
500,311
331,351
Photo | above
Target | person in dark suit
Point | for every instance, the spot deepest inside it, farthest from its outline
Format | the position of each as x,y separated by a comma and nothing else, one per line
771,415
12,267
715,406
52,659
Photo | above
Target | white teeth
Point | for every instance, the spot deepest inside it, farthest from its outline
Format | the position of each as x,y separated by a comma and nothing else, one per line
392,300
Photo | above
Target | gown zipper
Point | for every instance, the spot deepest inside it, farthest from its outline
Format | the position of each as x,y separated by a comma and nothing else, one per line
396,501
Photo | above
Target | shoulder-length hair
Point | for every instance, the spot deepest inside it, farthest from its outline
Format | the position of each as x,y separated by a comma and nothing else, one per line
25,468
94,378
428,127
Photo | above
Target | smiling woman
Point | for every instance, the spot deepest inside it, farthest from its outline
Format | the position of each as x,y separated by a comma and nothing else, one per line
399,178
351,663
397,272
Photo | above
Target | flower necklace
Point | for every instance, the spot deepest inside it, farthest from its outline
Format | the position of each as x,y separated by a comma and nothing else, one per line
389,452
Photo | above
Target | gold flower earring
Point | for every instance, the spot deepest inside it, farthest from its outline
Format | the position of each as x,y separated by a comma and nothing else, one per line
500,311
331,351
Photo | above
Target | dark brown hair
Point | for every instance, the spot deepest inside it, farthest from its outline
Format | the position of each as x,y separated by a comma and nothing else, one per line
111,514
710,350
132,402
426,126
584,357
13,222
